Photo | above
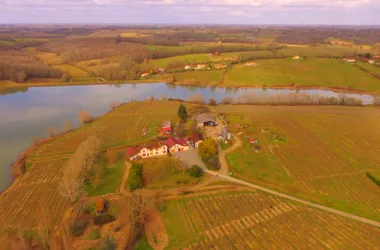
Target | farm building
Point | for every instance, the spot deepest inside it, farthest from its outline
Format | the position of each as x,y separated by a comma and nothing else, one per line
146,151
100,202
220,66
206,119
187,67
296,57
350,60
176,145
144,75
224,135
251,64
166,127
161,70
200,66
371,61
194,140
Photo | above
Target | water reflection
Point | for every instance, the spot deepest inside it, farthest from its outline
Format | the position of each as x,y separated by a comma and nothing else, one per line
25,113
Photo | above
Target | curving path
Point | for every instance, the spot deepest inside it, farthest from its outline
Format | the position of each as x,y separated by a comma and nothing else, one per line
222,155
307,203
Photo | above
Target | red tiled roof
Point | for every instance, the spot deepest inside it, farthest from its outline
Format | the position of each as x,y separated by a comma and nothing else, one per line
170,142
133,151
195,137
153,145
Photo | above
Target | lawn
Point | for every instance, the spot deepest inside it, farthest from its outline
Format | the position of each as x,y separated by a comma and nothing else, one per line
185,59
210,76
369,67
110,180
316,153
74,72
165,172
311,72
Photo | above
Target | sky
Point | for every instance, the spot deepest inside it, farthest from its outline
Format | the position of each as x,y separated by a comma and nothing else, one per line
325,12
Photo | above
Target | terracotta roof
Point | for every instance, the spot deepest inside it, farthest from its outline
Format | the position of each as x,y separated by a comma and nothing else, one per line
170,142
153,145
195,137
133,151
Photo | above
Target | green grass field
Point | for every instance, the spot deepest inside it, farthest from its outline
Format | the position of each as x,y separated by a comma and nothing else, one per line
210,76
321,51
370,67
311,72
74,72
187,59
112,174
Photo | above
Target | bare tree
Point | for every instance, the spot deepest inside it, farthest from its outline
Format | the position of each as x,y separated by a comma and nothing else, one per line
84,117
140,205
227,100
51,132
78,167
113,104
68,126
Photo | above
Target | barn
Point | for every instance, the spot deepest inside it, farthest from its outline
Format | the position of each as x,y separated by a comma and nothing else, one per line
206,119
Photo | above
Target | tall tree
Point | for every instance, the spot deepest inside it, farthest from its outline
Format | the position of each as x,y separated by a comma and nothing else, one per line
182,112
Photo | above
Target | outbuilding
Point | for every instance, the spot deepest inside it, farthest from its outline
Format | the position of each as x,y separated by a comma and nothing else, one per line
100,202
206,119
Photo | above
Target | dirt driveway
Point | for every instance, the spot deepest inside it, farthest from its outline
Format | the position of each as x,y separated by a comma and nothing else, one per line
190,157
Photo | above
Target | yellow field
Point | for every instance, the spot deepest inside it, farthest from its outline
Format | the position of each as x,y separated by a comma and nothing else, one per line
72,70
49,58
324,153
251,220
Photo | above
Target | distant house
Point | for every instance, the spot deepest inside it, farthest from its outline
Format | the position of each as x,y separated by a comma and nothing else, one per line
144,75
166,127
147,151
194,140
200,66
220,66
187,67
100,203
216,53
349,60
176,145
251,64
253,141
296,57
371,61
161,70
206,119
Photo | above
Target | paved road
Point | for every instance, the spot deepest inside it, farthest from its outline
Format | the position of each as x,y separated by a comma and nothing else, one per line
270,191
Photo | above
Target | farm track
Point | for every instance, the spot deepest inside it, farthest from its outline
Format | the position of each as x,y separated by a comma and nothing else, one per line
321,207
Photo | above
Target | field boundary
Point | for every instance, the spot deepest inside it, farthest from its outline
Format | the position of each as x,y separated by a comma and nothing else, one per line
310,204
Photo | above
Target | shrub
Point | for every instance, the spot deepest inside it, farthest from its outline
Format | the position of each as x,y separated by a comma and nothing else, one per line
161,206
182,112
94,234
77,227
88,208
212,102
136,180
108,243
103,219
195,171
227,100
213,163
373,178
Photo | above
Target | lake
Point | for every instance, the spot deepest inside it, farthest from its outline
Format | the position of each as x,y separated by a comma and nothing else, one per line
30,112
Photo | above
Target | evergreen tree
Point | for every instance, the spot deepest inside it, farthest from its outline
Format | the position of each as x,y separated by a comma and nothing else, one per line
182,112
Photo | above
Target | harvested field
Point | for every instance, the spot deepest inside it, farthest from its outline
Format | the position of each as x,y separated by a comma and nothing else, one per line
320,156
20,205
252,220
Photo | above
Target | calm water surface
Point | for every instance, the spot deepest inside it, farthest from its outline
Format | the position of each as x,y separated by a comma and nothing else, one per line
31,112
